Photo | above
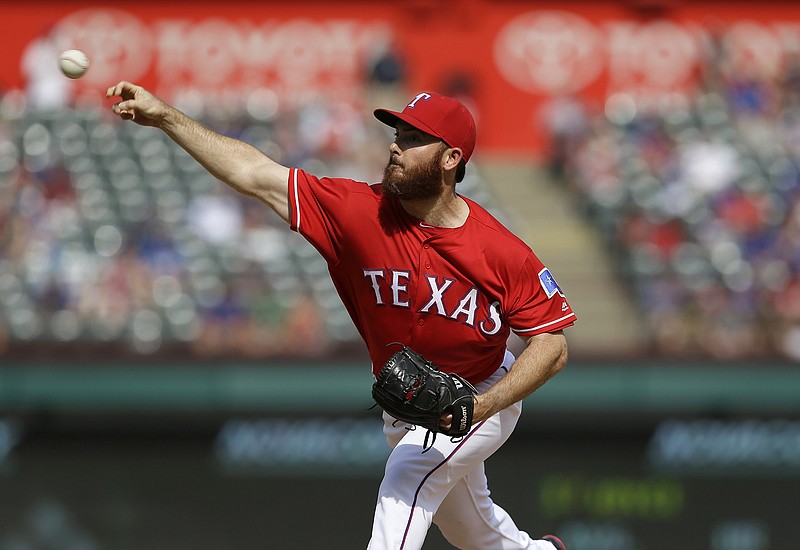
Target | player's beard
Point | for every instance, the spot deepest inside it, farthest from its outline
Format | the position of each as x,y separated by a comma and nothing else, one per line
415,182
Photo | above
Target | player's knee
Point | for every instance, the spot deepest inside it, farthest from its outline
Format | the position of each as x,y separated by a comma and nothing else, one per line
412,475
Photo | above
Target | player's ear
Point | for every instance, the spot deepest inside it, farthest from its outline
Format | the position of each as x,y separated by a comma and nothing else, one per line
451,158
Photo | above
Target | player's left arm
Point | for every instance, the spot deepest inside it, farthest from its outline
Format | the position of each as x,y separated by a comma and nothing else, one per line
544,356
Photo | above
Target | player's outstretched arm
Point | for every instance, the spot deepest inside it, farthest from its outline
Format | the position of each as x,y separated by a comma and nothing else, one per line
240,165
544,356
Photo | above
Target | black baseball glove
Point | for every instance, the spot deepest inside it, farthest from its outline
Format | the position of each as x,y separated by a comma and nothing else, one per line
411,389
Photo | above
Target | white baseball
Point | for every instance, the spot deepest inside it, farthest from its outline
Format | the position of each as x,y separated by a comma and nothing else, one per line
73,63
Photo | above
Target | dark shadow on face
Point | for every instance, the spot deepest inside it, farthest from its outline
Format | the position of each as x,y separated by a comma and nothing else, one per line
421,181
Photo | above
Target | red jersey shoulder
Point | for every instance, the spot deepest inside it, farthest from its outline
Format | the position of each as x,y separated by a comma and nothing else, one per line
315,198
334,183
495,238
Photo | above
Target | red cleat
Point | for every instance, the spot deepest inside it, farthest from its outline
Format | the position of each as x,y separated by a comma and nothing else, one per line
555,541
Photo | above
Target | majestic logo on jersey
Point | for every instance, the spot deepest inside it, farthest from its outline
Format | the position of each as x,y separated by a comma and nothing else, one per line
442,299
549,284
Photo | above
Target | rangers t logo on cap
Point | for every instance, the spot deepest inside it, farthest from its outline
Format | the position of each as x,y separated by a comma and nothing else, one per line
423,95
437,115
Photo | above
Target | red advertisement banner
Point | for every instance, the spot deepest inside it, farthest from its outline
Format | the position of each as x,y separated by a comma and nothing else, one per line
510,59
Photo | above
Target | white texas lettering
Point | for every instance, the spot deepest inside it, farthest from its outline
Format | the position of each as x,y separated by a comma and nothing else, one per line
467,306
397,288
372,275
436,295
494,319
465,311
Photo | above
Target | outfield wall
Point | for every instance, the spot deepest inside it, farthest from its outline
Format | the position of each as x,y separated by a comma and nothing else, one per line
635,457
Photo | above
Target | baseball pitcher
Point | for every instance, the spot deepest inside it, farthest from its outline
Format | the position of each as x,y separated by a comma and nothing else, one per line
435,285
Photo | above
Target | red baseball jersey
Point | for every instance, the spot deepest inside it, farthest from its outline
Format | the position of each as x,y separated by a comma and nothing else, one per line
452,294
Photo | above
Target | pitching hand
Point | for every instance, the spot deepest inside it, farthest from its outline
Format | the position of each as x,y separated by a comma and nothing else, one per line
445,422
137,104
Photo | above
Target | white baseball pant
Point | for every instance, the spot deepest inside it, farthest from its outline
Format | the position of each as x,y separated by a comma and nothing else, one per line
446,485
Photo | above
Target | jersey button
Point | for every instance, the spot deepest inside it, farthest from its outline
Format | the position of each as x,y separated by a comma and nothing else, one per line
426,246
427,265
421,322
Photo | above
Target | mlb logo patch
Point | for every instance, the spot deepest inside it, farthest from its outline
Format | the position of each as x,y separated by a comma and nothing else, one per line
549,284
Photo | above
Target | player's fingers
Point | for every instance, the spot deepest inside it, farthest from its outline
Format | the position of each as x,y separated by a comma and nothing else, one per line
120,88
124,109
127,105
114,90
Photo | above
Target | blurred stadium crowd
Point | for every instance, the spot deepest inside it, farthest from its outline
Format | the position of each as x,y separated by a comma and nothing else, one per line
111,236
699,200
115,239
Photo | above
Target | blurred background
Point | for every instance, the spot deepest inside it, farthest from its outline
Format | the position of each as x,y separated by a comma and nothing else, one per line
177,371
